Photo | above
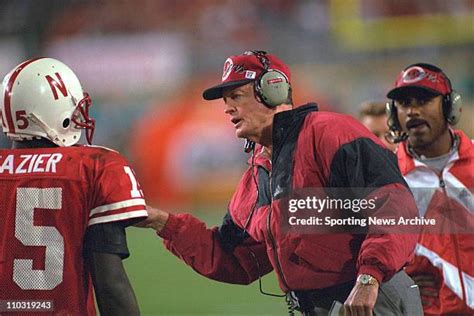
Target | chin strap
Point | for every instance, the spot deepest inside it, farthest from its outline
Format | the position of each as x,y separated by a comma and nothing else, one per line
51,134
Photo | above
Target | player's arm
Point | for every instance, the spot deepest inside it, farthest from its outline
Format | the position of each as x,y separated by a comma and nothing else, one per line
105,247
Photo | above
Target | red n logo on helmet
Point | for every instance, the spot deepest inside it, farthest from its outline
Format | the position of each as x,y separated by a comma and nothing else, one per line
57,85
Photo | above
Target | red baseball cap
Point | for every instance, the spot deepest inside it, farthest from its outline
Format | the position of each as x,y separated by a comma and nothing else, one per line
242,69
420,77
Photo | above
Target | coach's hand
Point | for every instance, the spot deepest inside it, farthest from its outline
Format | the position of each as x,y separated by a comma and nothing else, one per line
156,219
362,300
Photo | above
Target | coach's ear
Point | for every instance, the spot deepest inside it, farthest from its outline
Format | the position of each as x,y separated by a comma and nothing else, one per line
156,219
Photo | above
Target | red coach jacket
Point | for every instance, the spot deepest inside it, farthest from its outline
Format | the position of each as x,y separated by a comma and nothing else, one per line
445,254
310,150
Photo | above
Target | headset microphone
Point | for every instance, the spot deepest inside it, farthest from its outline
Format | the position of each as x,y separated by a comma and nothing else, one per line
395,134
395,137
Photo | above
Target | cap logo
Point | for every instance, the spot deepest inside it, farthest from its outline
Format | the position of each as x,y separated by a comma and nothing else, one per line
228,65
413,74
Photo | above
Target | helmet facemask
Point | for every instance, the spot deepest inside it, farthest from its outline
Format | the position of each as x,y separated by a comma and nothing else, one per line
81,117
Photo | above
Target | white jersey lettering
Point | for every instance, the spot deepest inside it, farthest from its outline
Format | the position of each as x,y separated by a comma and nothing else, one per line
37,166
7,165
52,161
20,169
30,163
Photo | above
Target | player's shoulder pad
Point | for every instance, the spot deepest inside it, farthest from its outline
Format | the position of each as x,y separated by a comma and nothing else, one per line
98,152
102,147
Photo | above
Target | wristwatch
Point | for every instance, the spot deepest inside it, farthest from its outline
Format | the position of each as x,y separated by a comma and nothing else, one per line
367,279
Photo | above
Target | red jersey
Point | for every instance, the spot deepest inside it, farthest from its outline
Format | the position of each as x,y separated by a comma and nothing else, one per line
49,196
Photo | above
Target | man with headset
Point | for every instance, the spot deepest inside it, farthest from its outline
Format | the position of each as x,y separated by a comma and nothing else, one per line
437,162
298,149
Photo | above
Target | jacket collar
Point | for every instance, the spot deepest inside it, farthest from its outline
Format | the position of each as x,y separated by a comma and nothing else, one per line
281,122
465,143
287,125
407,163
287,118
259,158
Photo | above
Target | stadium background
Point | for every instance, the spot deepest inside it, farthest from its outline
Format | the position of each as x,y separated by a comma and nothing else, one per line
146,62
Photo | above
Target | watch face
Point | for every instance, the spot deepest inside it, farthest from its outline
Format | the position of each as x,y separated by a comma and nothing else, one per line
367,279
364,279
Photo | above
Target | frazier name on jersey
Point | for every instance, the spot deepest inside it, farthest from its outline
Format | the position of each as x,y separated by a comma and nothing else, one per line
20,164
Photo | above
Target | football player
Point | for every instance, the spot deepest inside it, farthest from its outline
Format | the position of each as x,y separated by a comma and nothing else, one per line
64,206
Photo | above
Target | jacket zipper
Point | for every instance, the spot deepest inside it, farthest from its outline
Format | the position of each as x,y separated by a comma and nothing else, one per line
272,239
442,185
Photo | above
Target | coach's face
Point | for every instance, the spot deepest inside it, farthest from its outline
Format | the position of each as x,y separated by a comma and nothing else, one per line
422,119
249,117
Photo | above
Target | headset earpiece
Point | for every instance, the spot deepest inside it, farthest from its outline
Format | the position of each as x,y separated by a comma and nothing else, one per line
452,107
272,88
452,104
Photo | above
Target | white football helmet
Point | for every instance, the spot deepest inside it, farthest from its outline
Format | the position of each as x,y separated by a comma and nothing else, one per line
42,98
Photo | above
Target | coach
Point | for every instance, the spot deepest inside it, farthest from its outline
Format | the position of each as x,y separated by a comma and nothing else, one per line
299,148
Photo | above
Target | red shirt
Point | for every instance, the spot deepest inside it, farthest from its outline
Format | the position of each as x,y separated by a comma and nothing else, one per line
49,196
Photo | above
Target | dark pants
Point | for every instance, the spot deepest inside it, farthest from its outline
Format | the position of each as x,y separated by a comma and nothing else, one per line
398,296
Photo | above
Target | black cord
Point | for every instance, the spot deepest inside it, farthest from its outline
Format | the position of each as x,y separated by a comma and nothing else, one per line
291,309
254,207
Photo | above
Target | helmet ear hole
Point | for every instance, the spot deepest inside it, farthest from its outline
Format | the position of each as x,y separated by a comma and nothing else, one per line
66,123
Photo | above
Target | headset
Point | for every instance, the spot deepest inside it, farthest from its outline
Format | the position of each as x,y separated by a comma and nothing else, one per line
271,87
452,107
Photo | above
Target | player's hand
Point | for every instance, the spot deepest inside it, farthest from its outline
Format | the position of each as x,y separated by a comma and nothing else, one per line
361,300
156,219
428,288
